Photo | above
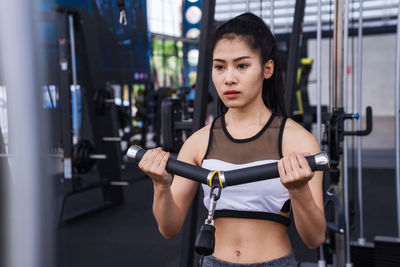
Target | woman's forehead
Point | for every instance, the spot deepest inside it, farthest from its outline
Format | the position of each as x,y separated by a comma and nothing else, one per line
236,46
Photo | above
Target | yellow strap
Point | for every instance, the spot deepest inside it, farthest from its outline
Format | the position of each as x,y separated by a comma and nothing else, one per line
219,178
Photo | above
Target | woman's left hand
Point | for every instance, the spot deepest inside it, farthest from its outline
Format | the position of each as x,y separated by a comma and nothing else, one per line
294,171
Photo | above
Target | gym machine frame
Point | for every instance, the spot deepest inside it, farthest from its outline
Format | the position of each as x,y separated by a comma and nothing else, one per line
97,108
336,129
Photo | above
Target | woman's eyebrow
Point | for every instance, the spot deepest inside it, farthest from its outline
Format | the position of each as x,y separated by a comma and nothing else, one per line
236,59
218,59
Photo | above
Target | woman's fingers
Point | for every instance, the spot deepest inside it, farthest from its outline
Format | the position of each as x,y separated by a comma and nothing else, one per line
164,160
158,155
303,165
281,168
293,162
160,162
154,164
294,170
287,165
154,161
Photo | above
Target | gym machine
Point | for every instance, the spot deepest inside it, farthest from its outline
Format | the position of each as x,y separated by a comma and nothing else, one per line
95,110
334,139
86,144
29,201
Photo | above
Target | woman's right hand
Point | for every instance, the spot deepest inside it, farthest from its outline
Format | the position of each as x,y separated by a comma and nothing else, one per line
154,163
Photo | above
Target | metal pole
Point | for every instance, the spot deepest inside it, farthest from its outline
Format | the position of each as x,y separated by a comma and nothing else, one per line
336,103
204,65
271,24
4,176
319,88
346,203
247,5
397,128
28,235
345,152
199,116
337,92
73,54
361,239
74,77
296,40
321,261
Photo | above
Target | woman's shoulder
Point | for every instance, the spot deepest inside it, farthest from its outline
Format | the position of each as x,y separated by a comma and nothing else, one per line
196,144
297,139
200,134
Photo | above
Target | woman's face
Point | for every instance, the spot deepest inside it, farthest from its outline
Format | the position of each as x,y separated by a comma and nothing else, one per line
238,73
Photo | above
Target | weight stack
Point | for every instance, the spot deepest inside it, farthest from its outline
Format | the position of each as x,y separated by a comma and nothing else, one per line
362,255
387,251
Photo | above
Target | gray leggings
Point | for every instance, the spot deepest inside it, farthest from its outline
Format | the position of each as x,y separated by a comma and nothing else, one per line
286,261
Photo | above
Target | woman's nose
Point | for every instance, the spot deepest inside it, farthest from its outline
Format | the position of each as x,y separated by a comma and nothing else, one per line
230,77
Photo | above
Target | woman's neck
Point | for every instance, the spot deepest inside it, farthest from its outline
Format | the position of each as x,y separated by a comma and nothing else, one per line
249,116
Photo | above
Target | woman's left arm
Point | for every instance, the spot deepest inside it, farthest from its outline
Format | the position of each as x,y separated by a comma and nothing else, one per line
304,186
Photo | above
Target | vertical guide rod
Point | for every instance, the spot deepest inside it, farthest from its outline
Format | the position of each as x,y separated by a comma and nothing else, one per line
335,103
319,88
74,76
336,100
321,261
199,116
271,10
397,128
296,40
28,235
345,143
361,238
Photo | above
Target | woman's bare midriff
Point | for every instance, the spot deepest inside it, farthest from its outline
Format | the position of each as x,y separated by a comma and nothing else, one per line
244,241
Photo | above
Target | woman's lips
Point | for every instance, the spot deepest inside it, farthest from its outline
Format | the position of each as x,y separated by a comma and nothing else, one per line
231,94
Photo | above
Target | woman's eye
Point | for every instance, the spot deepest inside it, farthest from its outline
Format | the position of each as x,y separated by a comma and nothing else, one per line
242,66
218,67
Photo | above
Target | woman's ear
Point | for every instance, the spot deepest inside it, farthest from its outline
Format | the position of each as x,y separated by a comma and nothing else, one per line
268,69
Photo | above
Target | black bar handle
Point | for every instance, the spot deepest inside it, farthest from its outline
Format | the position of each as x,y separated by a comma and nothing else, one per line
368,128
318,162
174,166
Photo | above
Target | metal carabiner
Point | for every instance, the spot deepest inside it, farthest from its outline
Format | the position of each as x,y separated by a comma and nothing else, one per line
122,17
213,203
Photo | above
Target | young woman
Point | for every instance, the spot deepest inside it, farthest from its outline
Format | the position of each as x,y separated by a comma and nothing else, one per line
251,219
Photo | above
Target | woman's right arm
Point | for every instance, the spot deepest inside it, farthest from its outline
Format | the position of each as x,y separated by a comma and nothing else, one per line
171,202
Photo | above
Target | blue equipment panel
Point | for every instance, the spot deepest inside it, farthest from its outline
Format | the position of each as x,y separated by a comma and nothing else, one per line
124,50
83,4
